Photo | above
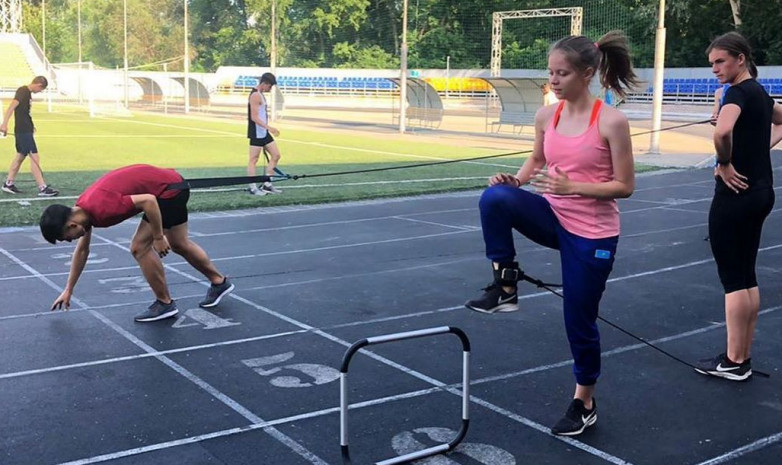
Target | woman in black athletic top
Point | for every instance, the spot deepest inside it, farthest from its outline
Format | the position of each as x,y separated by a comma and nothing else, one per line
743,196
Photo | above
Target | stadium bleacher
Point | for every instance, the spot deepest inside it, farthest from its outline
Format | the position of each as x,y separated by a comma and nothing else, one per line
320,82
16,71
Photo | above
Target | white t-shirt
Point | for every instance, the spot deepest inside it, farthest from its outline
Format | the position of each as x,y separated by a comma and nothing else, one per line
549,98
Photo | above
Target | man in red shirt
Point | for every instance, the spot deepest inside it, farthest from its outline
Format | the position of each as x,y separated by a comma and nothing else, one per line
122,194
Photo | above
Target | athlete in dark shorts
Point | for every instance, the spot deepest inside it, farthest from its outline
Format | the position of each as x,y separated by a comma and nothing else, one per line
25,142
260,134
117,196
743,197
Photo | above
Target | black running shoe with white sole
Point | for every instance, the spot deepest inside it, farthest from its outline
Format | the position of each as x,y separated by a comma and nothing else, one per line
47,191
494,300
215,293
157,311
576,419
11,189
721,366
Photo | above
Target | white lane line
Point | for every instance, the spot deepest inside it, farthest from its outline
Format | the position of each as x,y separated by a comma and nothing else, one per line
412,394
391,363
331,146
155,353
232,404
744,450
442,225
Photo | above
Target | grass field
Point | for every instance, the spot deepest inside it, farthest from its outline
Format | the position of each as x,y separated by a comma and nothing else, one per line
76,150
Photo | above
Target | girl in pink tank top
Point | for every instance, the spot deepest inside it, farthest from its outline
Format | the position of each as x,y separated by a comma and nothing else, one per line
581,163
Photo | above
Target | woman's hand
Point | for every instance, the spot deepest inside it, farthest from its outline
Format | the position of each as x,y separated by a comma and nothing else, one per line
731,178
557,182
504,178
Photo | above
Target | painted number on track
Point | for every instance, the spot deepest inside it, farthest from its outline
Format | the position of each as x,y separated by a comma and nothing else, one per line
408,441
307,374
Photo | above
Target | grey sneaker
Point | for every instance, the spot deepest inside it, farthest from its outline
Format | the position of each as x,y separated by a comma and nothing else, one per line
257,191
270,189
215,293
157,311
10,188
47,191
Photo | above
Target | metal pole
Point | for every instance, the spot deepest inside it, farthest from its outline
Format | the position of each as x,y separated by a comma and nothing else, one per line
447,74
187,65
168,88
46,60
273,59
659,68
125,20
78,20
403,77
43,26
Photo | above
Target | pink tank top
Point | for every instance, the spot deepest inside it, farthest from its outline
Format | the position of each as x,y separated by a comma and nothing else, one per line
585,158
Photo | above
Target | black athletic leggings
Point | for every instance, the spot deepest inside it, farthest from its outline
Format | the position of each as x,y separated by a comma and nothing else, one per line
735,224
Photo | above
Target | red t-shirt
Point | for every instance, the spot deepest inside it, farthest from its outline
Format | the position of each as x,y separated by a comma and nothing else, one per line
107,201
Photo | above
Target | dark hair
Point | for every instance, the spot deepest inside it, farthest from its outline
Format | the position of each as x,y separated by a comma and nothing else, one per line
609,56
53,222
41,80
735,44
268,78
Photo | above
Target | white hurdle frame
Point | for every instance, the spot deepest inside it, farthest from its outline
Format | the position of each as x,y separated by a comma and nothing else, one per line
343,387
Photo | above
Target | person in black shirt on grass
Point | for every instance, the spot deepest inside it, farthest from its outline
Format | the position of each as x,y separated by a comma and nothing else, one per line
743,196
25,142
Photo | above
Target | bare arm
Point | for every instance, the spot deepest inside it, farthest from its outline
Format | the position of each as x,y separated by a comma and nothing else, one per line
148,204
80,255
534,161
776,125
723,133
7,116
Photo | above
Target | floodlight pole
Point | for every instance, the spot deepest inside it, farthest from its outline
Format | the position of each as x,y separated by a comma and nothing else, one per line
403,77
273,59
447,75
125,26
43,26
187,64
659,68
78,20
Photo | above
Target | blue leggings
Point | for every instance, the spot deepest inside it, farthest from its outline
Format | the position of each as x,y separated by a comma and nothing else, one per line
586,264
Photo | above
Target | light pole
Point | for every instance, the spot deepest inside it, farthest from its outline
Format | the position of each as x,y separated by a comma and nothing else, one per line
43,26
78,21
125,21
447,74
273,59
187,65
659,68
403,77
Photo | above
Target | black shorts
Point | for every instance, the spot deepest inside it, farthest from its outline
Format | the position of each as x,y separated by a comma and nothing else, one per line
25,143
262,142
174,210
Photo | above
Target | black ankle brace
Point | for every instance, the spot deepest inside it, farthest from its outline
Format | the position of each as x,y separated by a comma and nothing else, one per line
507,274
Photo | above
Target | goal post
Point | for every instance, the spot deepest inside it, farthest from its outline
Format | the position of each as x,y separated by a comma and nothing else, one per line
576,15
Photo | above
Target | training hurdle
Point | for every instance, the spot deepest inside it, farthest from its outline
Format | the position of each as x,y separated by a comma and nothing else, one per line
343,388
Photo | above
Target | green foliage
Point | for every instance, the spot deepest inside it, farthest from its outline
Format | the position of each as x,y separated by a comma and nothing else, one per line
367,33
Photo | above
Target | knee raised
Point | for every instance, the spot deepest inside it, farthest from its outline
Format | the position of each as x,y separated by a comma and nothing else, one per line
496,195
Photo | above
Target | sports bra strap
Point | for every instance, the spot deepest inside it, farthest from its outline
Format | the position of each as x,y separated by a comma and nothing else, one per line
595,112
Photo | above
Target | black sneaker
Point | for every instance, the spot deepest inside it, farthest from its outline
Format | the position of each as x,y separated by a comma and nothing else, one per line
47,191
494,300
723,367
11,189
215,293
576,419
157,311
